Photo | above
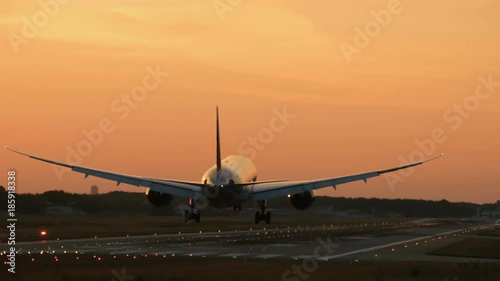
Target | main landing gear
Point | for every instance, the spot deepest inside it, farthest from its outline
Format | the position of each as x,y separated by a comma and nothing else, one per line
192,214
237,211
262,215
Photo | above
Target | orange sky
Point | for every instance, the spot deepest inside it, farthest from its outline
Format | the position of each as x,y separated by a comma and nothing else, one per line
256,57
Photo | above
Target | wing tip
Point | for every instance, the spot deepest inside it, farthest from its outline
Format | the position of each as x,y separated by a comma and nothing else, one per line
440,155
434,158
18,152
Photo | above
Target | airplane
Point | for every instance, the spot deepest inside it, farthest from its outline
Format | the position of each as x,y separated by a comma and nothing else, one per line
231,182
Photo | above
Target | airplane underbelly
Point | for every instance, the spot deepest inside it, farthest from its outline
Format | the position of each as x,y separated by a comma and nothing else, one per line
229,196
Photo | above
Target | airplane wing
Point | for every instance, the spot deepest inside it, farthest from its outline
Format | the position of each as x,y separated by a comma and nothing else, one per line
281,189
173,187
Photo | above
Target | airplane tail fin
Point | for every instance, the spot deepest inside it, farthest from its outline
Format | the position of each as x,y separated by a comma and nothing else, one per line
219,164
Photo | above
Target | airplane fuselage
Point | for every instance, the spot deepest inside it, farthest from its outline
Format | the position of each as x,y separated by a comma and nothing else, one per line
222,190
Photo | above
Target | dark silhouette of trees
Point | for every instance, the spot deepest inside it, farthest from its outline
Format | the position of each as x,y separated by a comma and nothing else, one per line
115,203
3,199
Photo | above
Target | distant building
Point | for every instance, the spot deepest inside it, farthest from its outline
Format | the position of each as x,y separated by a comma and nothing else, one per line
496,213
486,213
94,190
491,213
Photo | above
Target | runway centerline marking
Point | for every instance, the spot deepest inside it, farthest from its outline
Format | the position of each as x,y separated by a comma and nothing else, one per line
389,245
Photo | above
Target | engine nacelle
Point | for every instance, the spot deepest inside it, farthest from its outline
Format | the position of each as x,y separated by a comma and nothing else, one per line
158,199
302,201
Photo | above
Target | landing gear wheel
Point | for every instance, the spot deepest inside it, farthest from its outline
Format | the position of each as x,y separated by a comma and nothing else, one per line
192,213
262,217
257,217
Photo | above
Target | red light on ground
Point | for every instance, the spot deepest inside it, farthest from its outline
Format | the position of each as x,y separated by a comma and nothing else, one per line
43,233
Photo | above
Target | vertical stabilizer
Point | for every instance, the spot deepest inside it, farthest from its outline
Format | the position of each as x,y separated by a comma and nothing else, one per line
219,164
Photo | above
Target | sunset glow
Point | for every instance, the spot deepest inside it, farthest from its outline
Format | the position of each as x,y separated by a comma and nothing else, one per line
132,86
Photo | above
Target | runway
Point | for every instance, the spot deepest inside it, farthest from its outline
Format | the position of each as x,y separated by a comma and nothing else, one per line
353,242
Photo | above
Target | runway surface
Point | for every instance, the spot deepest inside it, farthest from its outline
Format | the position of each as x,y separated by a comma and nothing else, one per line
370,241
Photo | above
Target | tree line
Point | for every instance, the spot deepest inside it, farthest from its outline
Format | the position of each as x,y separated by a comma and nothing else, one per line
126,203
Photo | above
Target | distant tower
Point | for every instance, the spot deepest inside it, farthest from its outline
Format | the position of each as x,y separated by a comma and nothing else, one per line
94,190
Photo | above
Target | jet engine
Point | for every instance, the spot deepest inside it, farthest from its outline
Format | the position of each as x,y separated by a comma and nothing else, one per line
158,199
302,201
